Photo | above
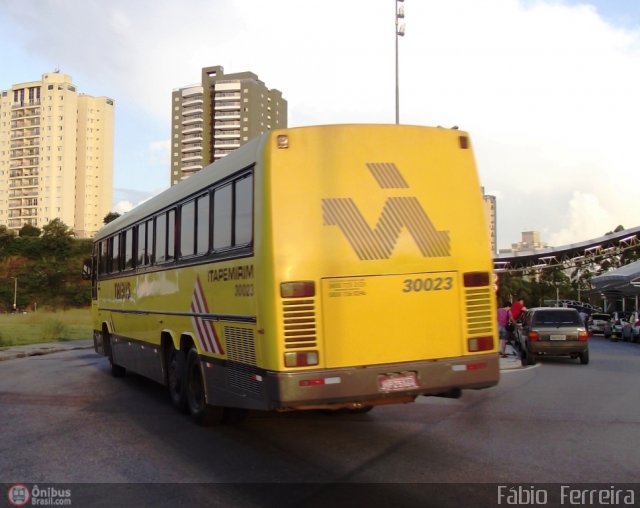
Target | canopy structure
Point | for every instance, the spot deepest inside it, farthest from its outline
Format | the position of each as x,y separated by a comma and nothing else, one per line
619,284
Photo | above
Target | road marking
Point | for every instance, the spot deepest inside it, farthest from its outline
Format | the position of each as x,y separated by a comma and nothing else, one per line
520,369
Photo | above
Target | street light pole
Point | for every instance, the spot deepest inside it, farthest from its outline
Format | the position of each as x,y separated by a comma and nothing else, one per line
15,293
399,14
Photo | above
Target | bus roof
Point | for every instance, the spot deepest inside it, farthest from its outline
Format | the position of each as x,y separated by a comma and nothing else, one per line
222,168
236,160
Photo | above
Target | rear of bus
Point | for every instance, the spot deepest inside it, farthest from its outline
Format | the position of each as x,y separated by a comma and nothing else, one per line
375,247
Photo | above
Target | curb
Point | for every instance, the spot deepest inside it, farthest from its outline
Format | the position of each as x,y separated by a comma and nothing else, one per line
43,349
510,363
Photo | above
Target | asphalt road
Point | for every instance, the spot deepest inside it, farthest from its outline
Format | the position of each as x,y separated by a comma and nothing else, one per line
65,420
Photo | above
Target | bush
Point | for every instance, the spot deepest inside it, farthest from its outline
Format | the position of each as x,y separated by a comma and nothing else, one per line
55,330
5,342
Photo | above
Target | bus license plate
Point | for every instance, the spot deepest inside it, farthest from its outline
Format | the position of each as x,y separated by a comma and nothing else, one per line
397,381
558,337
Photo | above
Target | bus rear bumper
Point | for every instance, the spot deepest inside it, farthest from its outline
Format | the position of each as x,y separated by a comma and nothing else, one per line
356,387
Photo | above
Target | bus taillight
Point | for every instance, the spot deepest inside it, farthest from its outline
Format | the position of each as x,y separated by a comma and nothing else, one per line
301,358
298,289
480,344
476,279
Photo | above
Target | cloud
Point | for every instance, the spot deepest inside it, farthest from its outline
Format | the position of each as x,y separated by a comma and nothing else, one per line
126,199
548,91
586,218
122,207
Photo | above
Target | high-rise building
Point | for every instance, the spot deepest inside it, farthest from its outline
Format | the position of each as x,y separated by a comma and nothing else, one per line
211,119
56,155
531,241
491,217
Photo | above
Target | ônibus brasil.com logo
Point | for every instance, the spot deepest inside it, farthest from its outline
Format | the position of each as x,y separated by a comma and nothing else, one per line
21,495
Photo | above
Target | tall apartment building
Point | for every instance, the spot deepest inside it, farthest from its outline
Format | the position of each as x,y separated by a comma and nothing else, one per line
531,241
491,217
213,118
56,155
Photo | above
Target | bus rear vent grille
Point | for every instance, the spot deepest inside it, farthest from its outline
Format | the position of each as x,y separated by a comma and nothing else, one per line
479,312
241,354
299,323
241,346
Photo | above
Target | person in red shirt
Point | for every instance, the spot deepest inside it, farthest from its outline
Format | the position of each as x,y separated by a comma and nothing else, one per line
517,308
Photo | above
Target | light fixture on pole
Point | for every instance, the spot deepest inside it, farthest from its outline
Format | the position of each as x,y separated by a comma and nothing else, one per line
399,14
15,293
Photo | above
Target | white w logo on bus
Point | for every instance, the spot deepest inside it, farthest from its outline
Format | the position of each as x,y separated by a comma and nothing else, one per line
398,212
204,327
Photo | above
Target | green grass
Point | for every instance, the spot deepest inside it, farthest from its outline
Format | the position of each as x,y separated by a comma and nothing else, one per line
45,326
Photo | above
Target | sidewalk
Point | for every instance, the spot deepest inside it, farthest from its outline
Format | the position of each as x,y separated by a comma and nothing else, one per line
11,352
512,361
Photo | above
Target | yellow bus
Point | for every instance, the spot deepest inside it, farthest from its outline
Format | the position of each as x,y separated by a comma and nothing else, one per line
326,267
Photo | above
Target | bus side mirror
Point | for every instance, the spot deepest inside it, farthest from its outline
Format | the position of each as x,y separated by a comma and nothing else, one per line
86,269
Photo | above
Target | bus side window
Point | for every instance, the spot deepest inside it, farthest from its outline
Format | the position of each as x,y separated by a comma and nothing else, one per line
142,236
243,223
161,239
171,235
114,254
127,250
187,229
222,217
148,257
103,256
202,225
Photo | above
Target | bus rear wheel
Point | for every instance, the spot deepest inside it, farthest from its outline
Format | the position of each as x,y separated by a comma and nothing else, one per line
200,411
176,379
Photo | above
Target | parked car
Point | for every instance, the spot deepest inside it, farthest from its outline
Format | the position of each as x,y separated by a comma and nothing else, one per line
634,321
621,328
555,331
599,322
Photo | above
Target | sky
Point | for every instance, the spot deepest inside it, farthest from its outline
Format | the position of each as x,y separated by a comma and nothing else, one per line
549,90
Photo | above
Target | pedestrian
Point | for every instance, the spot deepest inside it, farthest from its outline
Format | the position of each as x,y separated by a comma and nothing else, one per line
503,320
585,319
517,308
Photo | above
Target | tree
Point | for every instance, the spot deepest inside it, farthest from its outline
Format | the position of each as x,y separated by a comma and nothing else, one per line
29,231
57,229
110,217
6,237
57,238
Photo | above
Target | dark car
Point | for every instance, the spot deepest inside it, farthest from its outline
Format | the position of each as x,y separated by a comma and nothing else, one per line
555,331
600,323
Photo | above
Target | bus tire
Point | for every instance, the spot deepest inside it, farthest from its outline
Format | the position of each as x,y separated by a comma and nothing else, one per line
200,412
116,370
176,379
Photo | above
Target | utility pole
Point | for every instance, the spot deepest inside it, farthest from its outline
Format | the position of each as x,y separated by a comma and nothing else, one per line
399,14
